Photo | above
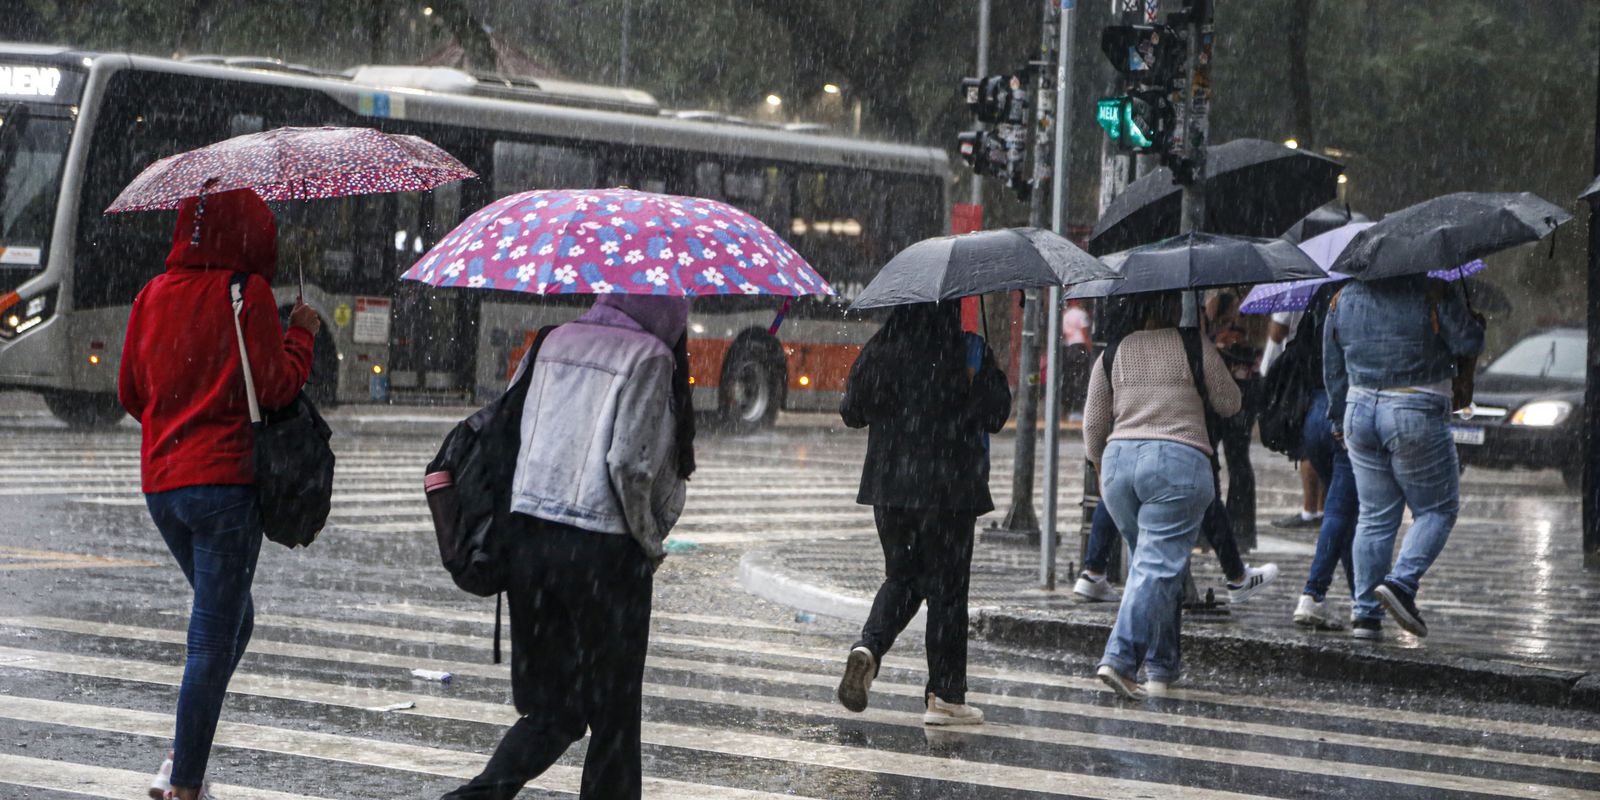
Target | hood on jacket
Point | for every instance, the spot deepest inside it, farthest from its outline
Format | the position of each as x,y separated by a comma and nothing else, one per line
666,318
236,231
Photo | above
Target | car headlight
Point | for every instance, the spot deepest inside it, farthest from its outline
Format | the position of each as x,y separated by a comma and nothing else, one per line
1542,414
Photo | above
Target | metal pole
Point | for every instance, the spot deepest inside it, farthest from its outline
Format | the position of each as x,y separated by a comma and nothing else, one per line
1021,518
983,69
1591,391
1058,222
622,68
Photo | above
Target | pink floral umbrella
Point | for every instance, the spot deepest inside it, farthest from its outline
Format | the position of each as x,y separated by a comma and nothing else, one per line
295,164
597,241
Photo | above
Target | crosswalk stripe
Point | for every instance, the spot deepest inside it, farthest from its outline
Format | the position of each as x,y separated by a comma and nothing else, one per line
777,704
723,742
359,751
701,619
1319,707
89,780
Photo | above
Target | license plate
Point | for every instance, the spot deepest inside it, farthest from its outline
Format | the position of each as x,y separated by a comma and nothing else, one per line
1467,435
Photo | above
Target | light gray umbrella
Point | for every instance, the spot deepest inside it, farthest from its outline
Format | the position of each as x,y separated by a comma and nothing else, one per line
1446,231
1591,191
1201,261
951,267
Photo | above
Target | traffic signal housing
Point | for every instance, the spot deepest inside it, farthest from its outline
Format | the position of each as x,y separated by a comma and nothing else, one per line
1151,56
1140,120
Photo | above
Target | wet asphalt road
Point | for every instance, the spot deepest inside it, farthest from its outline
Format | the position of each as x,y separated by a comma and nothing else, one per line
739,693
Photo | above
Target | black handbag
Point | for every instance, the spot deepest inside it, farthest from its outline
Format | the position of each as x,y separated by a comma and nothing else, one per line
293,461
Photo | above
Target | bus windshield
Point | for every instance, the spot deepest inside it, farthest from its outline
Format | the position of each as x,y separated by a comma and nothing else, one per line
32,149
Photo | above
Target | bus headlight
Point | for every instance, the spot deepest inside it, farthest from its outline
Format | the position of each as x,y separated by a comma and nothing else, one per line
19,315
1542,414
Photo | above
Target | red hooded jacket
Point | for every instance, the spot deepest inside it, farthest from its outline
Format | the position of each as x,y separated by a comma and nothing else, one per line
180,374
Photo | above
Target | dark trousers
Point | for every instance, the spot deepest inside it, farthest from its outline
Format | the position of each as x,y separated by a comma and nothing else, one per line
1214,526
1341,509
927,555
214,533
1235,433
580,624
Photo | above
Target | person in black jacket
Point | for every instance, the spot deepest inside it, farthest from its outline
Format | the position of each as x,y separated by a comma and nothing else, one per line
929,396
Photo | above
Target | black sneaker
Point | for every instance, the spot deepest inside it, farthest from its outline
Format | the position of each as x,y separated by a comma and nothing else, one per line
1403,606
1369,629
1298,520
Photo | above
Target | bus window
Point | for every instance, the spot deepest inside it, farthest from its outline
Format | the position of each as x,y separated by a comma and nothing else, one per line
521,166
32,147
708,180
838,225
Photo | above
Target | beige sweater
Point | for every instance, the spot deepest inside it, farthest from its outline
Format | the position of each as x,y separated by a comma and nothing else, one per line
1152,396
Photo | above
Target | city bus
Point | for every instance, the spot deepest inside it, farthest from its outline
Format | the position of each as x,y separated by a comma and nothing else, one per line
76,127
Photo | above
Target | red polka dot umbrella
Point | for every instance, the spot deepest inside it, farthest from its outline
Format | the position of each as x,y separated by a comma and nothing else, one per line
295,164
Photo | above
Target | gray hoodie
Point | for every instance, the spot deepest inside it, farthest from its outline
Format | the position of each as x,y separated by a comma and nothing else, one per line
598,435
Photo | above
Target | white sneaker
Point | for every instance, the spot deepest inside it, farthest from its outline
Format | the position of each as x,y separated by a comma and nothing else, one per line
1158,688
941,713
1095,590
1313,613
1254,579
859,670
162,783
1124,688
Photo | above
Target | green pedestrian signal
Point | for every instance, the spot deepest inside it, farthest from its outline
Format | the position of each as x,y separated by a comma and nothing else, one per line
1132,122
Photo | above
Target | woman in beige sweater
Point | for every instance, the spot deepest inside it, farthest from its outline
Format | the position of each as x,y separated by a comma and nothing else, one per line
1144,426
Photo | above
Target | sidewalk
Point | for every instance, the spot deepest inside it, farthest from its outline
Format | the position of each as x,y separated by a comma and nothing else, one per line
1511,611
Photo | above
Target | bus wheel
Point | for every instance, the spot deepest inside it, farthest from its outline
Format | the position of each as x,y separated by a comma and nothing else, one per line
752,385
85,410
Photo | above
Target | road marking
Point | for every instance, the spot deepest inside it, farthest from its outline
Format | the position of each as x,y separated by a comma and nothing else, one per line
406,609
1263,760
358,751
89,780
14,559
1342,710
717,742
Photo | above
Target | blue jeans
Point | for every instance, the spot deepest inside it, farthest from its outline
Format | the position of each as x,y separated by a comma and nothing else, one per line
214,532
1402,455
1339,510
1216,528
1157,492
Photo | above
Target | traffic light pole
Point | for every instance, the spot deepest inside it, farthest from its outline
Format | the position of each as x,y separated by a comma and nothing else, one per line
1591,393
983,69
1060,173
1021,519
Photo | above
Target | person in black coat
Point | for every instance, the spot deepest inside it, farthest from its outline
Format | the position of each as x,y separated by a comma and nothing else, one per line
929,395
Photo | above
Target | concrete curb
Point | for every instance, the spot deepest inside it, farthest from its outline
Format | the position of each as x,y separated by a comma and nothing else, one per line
1462,676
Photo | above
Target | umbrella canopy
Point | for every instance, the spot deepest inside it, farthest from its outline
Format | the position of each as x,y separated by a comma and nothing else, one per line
1200,261
1270,298
1253,188
1446,231
295,164
1321,221
950,267
1591,191
598,241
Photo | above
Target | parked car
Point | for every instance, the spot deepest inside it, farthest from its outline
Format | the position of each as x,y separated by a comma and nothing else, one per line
1527,409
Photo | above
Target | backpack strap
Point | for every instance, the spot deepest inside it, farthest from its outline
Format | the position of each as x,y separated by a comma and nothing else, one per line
1197,371
236,284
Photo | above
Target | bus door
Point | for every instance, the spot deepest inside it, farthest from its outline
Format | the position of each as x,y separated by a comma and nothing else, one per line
434,334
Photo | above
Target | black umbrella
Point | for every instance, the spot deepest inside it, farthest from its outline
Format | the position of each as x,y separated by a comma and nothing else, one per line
1591,191
1201,261
1446,231
1253,188
949,267
1321,221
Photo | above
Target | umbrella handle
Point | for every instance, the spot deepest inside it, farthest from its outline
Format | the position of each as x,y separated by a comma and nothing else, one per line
772,330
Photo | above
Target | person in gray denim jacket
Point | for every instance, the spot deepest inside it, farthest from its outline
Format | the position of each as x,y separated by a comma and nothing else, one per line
1389,354
607,443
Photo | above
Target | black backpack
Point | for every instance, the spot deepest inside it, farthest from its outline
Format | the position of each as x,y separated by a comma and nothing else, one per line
469,489
1287,390
293,460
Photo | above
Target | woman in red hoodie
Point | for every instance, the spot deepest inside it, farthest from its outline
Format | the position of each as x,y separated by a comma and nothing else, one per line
182,379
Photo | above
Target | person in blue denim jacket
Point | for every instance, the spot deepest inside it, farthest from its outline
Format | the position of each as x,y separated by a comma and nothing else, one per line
1389,354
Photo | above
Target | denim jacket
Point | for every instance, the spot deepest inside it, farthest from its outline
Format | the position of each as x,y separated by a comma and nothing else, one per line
1379,335
598,441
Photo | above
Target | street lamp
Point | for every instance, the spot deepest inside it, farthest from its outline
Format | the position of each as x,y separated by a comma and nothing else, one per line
427,11
774,101
830,88
1292,144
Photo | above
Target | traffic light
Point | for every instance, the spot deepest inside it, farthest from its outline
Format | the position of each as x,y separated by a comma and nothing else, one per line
997,99
1003,102
1150,55
1140,120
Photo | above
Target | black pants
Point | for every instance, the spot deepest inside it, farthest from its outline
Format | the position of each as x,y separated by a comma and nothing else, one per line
1235,433
580,623
927,555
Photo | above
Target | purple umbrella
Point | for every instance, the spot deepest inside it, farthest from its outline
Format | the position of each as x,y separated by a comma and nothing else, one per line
597,241
295,164
1269,298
